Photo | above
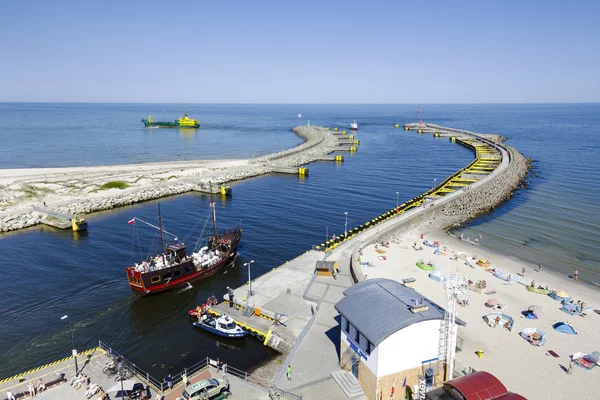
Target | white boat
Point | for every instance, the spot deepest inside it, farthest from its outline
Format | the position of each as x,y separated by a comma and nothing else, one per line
223,326
299,115
354,126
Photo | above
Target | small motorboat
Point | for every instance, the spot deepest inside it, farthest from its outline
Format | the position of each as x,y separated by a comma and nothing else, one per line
223,326
354,126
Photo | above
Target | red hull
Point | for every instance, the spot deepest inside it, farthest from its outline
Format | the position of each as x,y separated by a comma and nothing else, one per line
176,283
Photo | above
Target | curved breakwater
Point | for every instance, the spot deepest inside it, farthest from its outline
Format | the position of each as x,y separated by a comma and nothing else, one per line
317,143
442,207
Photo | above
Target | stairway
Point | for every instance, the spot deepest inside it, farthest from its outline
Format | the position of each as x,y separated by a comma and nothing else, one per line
348,383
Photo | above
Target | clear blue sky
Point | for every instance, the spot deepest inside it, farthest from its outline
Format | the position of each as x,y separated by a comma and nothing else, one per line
325,51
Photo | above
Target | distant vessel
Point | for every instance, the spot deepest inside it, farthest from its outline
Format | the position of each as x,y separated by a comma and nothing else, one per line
354,126
299,115
183,122
173,268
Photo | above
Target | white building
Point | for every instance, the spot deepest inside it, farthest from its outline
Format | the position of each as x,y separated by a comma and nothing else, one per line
390,335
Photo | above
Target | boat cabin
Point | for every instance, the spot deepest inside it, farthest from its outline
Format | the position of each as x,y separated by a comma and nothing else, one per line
176,251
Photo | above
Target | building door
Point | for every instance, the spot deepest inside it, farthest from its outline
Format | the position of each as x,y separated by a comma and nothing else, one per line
355,367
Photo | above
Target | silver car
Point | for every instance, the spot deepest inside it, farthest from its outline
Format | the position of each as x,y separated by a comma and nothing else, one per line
206,389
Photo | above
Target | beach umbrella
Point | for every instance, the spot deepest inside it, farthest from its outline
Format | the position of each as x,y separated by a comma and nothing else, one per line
492,302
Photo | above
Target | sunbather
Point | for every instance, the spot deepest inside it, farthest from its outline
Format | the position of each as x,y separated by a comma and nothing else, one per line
92,390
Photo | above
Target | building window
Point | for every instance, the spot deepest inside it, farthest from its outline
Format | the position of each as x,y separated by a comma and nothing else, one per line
155,279
346,325
357,337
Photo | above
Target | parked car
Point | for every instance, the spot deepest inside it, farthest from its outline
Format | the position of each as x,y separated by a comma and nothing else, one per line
206,389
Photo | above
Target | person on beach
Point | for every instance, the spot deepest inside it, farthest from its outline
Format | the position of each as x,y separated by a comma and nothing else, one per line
169,381
539,267
570,370
41,385
497,322
10,395
533,283
31,389
523,272
289,372
230,293
575,274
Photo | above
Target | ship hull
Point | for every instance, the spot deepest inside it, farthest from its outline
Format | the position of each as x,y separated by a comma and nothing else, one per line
169,125
239,335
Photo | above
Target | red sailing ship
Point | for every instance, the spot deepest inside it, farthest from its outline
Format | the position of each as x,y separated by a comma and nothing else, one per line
174,268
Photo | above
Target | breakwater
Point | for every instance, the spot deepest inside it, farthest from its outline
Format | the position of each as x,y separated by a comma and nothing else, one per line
429,211
148,182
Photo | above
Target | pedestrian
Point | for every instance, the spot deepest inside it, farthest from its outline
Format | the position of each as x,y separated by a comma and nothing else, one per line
31,389
44,204
184,379
570,370
10,395
218,364
289,372
539,267
575,274
169,380
523,272
230,294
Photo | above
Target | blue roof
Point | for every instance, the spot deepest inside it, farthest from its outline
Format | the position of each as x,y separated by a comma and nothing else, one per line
380,307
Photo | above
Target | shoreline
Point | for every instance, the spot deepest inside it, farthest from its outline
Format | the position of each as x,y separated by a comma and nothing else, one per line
84,190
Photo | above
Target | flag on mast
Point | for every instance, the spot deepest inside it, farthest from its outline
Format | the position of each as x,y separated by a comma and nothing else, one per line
131,221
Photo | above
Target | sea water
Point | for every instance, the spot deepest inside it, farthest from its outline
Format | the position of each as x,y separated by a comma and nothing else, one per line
49,273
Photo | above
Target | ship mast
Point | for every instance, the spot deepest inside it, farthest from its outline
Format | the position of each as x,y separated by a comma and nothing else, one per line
162,240
214,213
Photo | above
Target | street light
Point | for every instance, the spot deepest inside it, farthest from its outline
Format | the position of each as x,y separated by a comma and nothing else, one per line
250,293
346,225
74,352
397,193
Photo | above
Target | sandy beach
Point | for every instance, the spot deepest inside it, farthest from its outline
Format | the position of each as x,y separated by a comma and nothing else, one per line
526,369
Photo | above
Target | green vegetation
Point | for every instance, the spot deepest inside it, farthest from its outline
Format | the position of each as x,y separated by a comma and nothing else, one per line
114,185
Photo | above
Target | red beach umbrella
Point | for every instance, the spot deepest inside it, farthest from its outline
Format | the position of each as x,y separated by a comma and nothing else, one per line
492,302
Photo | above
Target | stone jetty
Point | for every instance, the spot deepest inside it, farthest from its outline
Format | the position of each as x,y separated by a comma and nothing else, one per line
84,190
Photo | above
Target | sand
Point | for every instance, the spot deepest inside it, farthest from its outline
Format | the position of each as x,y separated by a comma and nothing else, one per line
522,367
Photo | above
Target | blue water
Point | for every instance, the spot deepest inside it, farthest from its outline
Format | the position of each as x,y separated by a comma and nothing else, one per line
54,273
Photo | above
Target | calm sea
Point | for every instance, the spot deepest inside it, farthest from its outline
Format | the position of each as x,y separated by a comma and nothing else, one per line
49,273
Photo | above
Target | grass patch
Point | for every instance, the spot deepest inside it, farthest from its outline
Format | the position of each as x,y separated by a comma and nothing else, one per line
114,185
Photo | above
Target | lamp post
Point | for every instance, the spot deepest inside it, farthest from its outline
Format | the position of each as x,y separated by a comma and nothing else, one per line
74,351
346,225
397,193
250,293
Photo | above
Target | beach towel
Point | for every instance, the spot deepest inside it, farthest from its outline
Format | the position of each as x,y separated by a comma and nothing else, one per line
382,257
380,251
553,353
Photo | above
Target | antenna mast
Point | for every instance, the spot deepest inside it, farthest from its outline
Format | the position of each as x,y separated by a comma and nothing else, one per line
454,285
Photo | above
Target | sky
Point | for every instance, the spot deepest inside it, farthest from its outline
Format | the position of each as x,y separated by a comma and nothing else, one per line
316,52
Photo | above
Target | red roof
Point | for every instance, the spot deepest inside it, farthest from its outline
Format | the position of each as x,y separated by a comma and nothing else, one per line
481,385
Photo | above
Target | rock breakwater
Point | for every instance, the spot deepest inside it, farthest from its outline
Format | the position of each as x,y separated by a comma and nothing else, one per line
79,191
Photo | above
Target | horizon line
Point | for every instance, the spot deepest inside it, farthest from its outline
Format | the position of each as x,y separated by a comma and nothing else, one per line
233,103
